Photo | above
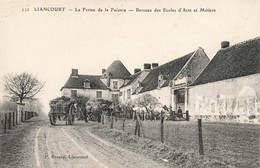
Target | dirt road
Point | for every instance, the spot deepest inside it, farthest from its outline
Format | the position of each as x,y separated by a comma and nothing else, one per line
43,145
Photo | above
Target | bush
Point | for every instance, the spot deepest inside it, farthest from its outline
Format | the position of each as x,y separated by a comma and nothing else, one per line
252,117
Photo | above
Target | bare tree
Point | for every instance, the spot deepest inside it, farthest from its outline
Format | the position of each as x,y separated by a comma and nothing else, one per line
22,85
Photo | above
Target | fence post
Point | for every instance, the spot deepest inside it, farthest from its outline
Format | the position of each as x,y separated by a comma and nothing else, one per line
201,151
5,123
136,126
13,119
21,115
112,118
187,115
102,117
124,122
162,138
174,116
9,121
139,125
16,116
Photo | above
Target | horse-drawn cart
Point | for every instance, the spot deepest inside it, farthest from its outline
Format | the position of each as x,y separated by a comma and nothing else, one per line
62,111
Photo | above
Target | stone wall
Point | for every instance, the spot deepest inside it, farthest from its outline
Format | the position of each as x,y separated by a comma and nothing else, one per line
233,99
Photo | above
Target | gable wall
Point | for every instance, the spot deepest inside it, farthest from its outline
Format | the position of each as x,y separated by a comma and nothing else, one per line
196,65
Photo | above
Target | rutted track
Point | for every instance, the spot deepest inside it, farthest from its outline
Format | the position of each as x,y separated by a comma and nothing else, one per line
75,146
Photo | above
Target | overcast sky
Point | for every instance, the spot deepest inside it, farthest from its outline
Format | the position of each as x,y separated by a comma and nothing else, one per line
50,44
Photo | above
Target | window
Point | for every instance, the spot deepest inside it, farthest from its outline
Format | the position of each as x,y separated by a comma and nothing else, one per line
128,93
73,93
115,84
99,94
86,84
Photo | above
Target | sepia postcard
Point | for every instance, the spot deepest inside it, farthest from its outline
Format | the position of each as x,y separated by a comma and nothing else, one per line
126,84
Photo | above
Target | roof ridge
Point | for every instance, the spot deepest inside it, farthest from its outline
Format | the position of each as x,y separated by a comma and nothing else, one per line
241,43
231,62
175,59
90,75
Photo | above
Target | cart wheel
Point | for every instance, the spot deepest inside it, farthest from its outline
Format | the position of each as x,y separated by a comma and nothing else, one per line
52,120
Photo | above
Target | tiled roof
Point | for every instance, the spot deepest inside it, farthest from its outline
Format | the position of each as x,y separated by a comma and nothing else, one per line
238,60
78,83
169,70
117,70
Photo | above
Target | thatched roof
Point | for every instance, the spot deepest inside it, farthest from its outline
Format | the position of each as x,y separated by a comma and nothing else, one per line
235,61
117,70
78,83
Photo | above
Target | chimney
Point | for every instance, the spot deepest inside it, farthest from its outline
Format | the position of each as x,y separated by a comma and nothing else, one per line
147,66
74,72
224,44
154,65
136,70
103,71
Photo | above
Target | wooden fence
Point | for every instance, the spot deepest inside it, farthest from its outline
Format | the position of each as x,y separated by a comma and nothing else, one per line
12,118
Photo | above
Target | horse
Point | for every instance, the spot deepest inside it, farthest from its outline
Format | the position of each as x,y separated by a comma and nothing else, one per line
161,110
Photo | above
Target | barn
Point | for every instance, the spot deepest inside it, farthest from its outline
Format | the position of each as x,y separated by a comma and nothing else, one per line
228,88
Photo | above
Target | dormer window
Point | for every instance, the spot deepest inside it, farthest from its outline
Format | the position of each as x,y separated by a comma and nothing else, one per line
139,84
86,83
161,80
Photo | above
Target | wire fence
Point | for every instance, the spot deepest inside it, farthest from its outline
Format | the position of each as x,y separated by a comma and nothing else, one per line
234,143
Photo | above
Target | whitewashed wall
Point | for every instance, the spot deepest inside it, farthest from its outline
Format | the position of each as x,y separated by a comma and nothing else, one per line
238,96
91,93
162,94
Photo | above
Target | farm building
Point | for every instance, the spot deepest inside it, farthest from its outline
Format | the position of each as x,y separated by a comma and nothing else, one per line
169,82
105,86
133,82
229,86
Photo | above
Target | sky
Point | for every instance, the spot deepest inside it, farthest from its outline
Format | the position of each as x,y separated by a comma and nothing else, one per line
50,44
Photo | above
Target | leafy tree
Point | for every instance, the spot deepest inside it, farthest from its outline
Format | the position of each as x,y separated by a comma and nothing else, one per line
22,85
146,100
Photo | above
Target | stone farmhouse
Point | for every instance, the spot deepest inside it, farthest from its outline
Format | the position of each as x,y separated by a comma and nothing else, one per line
169,82
105,86
229,85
